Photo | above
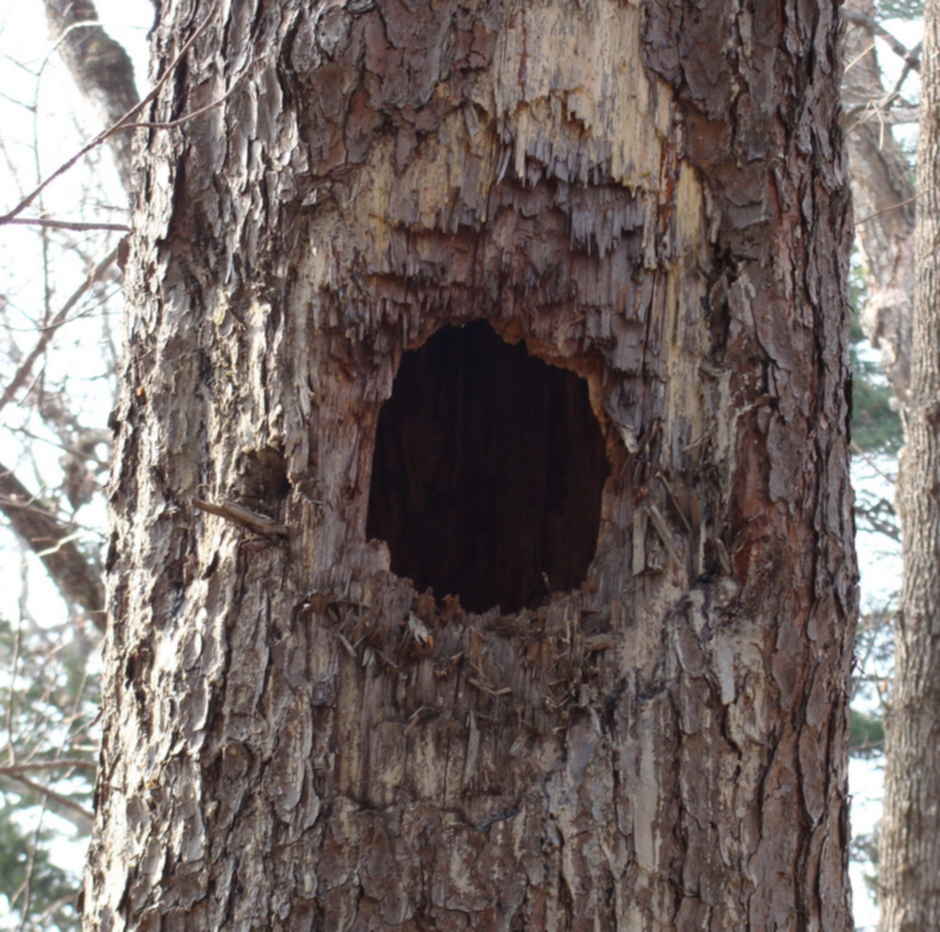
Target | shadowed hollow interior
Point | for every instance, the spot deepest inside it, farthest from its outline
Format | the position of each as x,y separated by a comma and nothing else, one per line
487,472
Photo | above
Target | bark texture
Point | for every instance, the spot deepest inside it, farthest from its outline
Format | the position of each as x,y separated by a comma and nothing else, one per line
910,832
653,198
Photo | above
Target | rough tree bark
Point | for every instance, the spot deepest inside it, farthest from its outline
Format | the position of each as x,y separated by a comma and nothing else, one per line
910,840
653,199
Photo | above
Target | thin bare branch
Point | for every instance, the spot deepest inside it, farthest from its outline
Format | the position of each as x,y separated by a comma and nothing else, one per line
100,67
77,819
123,123
34,522
909,56
878,213
70,224
905,71
26,367
11,705
58,802
260,524
199,111
68,763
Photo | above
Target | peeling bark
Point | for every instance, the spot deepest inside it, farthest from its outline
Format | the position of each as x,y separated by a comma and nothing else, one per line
652,198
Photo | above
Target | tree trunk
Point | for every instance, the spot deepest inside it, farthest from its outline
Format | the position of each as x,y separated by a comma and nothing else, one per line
542,307
883,196
910,832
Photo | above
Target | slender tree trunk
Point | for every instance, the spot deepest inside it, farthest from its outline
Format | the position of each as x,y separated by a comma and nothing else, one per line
910,830
614,695
883,196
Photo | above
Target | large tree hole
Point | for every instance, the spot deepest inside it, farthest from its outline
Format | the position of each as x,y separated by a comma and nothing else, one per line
488,471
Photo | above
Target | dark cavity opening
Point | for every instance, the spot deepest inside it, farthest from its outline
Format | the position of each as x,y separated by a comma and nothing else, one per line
487,473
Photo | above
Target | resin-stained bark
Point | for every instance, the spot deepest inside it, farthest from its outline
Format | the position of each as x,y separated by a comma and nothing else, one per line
652,197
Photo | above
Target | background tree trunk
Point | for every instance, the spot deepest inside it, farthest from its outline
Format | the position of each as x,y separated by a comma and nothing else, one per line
910,839
883,197
654,200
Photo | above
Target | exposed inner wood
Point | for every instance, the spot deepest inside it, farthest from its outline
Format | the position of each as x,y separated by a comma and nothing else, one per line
488,472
